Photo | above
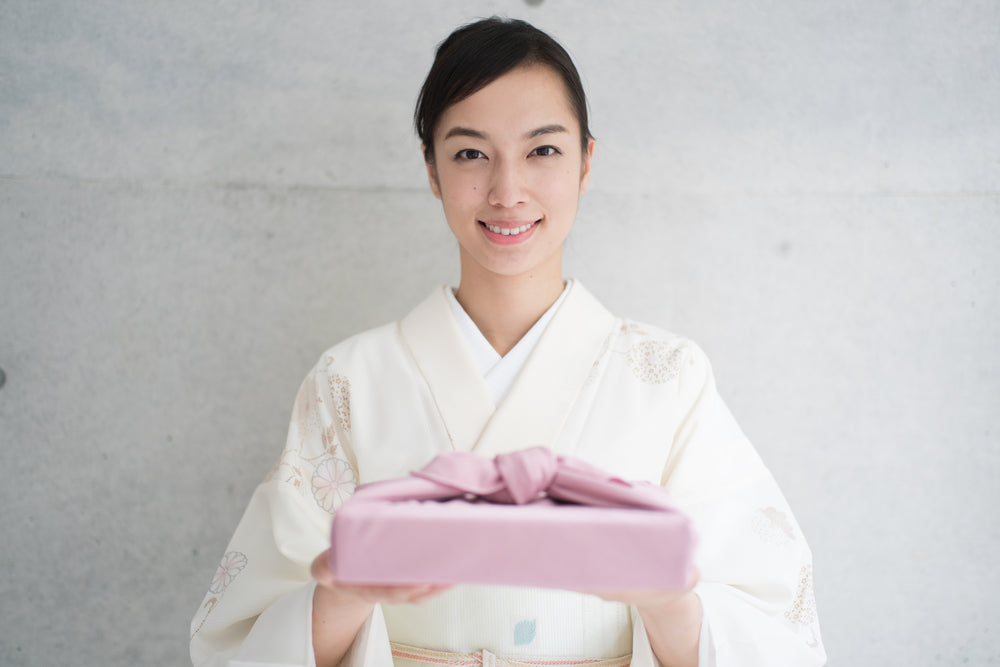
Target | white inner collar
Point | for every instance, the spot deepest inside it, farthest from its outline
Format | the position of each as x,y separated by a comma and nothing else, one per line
500,372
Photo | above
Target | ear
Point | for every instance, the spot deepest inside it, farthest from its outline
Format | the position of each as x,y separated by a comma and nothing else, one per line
588,157
432,176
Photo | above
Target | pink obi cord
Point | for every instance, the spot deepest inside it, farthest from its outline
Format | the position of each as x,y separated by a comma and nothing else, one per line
487,659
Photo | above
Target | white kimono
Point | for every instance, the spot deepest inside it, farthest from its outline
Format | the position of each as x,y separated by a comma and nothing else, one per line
629,398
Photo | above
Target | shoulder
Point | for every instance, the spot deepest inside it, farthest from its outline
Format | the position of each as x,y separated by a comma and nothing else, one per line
361,349
656,355
383,348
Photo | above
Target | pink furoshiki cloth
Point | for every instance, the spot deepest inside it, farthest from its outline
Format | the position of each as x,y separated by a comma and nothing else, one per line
526,518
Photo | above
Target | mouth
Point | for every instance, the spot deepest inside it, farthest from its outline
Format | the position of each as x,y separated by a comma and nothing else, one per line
508,229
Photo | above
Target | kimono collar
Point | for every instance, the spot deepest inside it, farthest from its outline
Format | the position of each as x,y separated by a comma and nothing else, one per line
541,397
500,372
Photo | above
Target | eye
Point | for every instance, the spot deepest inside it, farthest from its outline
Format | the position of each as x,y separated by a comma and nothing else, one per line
469,154
545,151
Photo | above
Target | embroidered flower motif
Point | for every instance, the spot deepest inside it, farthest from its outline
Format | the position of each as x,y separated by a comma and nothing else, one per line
305,417
205,611
309,424
330,441
630,327
655,362
287,469
340,388
773,526
803,610
333,483
232,564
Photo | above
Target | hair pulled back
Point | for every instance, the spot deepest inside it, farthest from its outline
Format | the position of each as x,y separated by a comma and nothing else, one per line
475,55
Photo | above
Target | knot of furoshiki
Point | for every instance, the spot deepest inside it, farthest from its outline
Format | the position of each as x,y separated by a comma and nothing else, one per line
518,477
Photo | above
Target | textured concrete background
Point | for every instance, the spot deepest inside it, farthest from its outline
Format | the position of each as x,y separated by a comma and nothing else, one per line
197,198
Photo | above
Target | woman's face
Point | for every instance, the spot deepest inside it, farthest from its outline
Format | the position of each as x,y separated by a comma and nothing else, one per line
509,171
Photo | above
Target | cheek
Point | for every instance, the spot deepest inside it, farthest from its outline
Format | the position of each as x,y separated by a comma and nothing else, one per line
460,200
459,186
562,191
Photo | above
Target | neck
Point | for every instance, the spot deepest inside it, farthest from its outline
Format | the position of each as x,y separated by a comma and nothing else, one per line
503,307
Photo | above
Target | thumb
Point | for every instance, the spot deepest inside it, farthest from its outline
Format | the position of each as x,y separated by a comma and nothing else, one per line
320,569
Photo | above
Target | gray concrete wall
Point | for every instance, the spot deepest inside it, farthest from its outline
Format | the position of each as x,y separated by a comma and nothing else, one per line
197,198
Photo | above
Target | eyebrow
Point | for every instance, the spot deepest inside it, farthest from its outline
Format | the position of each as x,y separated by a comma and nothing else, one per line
545,129
464,132
459,131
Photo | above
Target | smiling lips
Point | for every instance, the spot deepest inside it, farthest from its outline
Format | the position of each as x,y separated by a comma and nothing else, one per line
508,232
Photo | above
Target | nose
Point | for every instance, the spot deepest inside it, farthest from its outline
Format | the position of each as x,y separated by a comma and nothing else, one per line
507,185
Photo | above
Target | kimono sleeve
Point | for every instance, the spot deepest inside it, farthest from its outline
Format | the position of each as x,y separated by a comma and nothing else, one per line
756,569
258,609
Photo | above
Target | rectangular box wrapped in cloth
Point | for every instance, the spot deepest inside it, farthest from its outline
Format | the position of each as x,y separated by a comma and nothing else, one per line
527,518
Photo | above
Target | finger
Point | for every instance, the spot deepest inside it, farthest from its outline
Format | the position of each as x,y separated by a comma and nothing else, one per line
320,569
390,594
433,591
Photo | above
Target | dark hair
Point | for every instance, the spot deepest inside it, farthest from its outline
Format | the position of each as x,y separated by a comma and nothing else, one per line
477,54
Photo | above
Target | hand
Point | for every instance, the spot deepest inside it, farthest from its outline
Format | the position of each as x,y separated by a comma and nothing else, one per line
339,610
672,618
368,594
644,598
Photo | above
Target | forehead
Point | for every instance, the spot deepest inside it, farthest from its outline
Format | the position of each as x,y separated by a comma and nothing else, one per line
521,100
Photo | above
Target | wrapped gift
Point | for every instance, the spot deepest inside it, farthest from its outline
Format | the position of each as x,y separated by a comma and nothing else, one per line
526,518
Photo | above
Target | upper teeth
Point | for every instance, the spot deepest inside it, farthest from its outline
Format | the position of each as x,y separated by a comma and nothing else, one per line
508,231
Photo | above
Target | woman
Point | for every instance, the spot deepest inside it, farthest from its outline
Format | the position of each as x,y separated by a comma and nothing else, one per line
503,122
